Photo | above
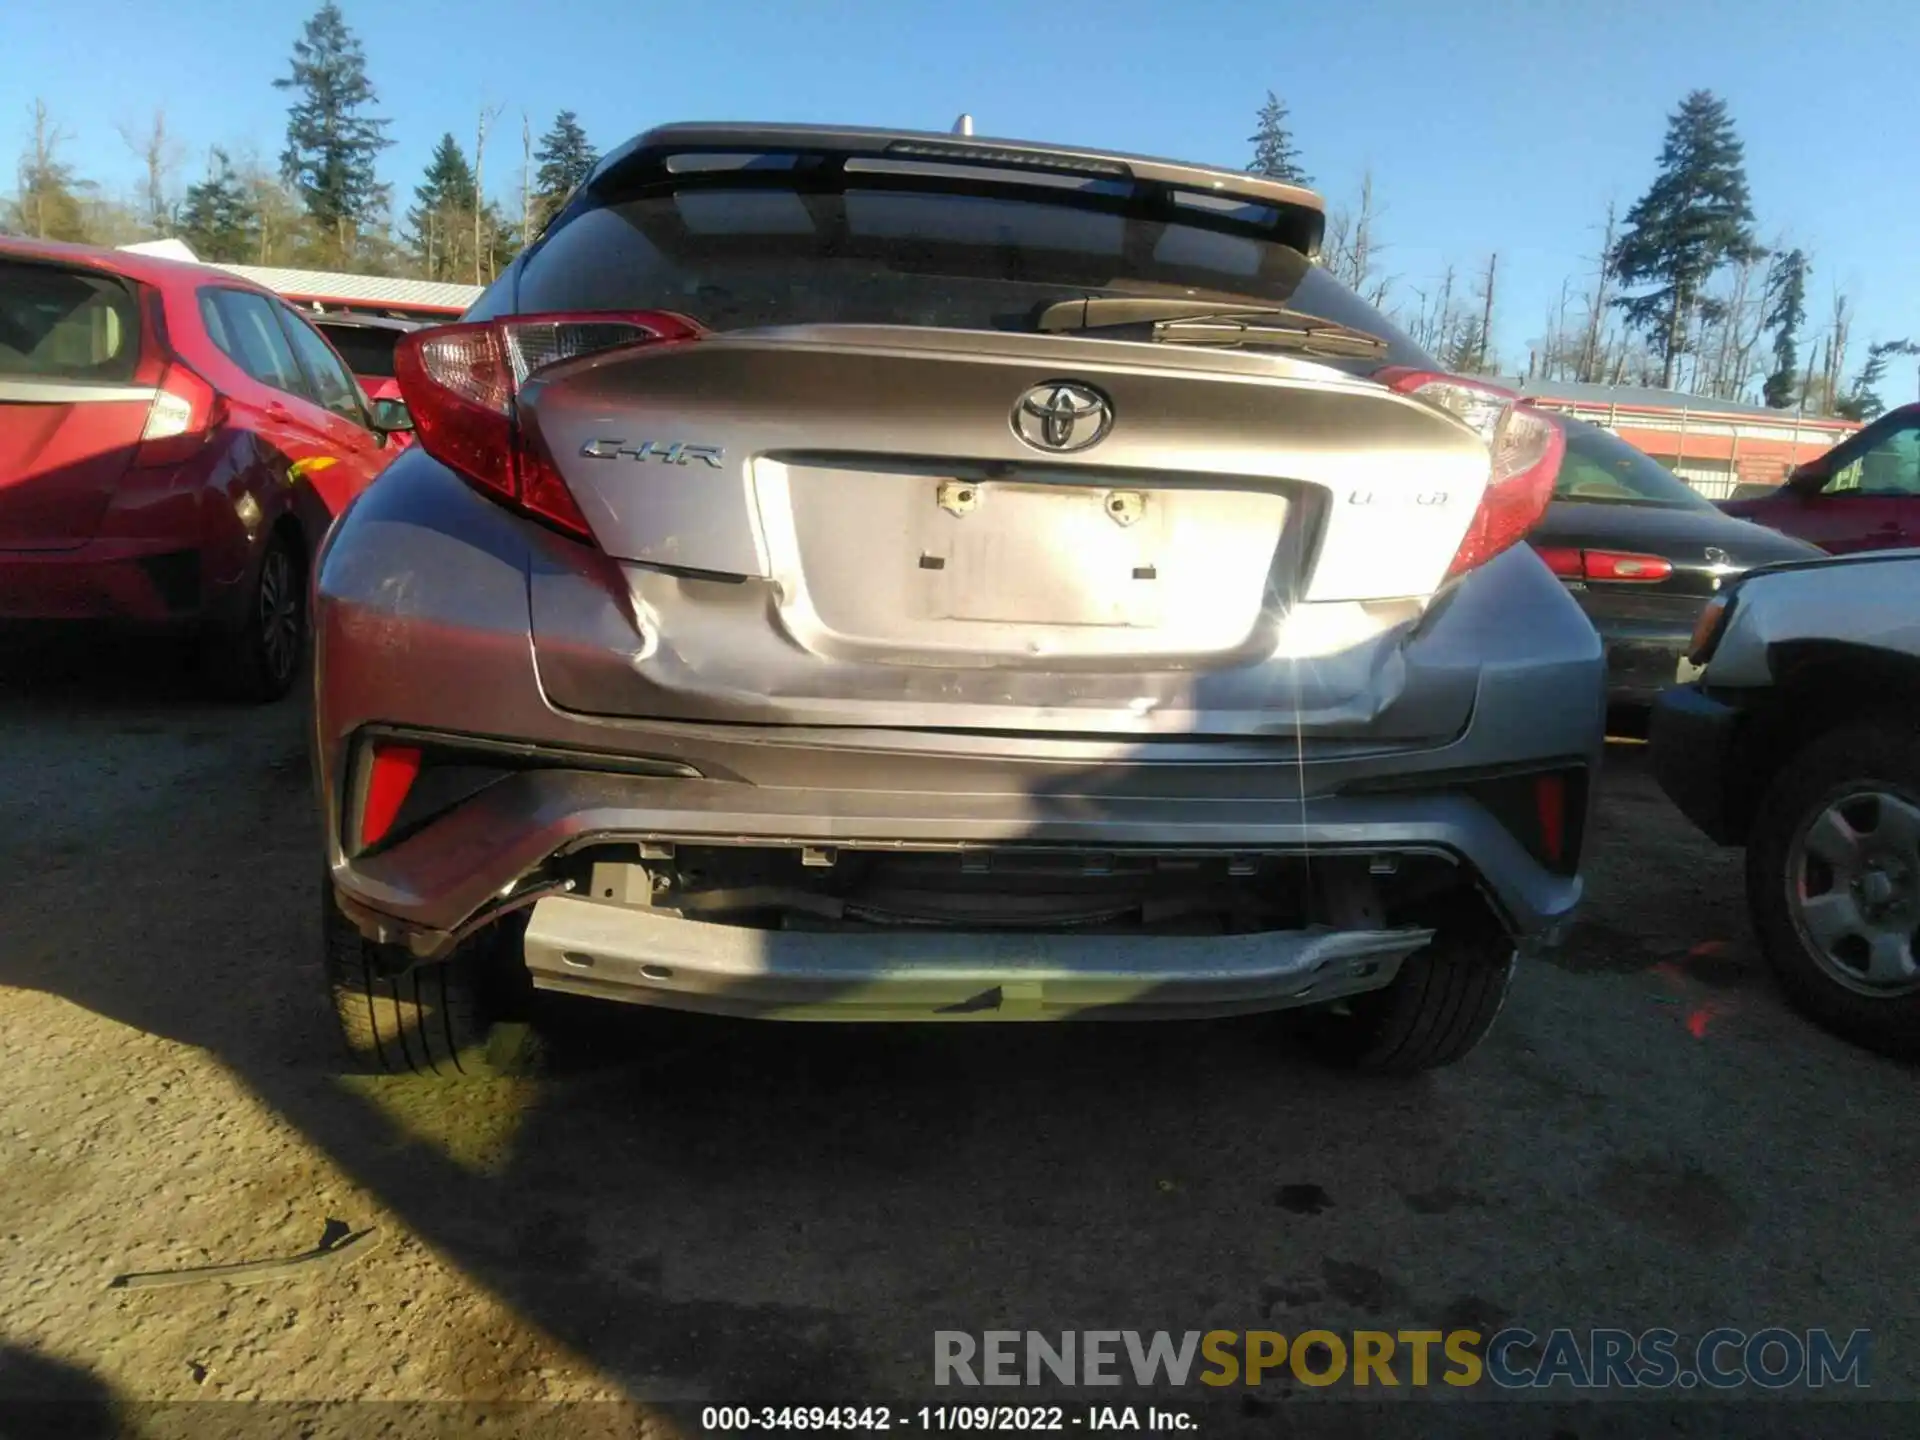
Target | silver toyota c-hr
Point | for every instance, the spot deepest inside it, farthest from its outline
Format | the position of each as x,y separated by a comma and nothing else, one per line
868,575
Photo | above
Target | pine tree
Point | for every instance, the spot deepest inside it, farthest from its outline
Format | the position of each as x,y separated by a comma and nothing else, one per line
1469,351
440,225
332,140
218,218
1274,153
1862,401
565,160
1694,218
1786,302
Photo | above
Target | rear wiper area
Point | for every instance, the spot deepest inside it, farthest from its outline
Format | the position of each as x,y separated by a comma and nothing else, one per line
1207,322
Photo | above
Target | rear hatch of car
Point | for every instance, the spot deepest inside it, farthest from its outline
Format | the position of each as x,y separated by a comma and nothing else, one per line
854,525
862,487
71,409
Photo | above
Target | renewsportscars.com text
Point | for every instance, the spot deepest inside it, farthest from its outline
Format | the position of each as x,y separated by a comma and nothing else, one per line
1772,1357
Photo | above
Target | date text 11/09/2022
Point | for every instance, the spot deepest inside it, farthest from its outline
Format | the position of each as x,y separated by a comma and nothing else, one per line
944,1417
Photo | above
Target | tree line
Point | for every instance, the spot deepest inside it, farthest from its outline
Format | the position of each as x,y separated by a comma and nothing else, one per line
1682,295
322,204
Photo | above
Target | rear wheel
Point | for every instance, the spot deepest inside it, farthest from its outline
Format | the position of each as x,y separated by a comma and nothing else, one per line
1438,1007
1833,883
257,659
458,1017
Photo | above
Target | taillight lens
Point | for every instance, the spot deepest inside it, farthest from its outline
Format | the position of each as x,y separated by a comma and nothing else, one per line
1567,563
462,387
1708,629
184,412
1525,448
1612,565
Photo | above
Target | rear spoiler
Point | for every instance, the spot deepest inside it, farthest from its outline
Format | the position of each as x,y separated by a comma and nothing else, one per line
1152,189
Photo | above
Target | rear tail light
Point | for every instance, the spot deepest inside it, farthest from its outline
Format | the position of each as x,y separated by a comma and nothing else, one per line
1708,629
1567,564
185,412
462,386
1525,447
1613,565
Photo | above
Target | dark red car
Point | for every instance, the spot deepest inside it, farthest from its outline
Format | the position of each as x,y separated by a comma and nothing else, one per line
366,343
174,442
1864,494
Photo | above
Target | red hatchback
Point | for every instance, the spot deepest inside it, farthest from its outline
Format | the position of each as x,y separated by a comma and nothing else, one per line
1864,494
174,442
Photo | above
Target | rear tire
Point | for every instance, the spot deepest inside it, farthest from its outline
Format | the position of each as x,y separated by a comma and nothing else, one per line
1843,771
452,1018
1436,1010
257,660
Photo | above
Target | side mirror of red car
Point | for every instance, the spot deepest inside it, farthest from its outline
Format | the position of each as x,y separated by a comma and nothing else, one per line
391,417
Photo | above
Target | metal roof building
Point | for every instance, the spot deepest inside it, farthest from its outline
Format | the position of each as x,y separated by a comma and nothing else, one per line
1714,445
363,292
413,299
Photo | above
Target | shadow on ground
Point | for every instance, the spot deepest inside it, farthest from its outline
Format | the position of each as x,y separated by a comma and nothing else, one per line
750,1213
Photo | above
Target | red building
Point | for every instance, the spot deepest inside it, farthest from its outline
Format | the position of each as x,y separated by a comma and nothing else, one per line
1714,445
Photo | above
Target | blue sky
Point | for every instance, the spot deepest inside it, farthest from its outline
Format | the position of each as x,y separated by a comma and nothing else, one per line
1492,125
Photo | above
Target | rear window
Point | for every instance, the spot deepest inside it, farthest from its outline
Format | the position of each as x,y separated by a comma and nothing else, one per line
734,256
65,324
367,349
1601,468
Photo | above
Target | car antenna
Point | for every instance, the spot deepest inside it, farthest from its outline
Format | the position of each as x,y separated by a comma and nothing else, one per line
964,125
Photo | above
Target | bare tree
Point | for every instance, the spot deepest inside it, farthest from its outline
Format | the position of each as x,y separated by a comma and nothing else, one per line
482,250
1558,351
160,153
1592,357
1836,359
47,207
1486,314
1352,248
1433,322
1741,322
526,180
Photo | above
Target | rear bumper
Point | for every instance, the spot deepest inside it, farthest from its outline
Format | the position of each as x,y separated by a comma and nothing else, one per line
134,582
617,953
429,888
1693,738
1643,657
422,630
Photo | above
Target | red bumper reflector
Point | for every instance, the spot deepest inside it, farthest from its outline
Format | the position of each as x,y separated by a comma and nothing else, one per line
1550,806
389,778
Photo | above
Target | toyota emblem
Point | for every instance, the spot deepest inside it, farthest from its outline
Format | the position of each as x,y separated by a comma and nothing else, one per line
1061,416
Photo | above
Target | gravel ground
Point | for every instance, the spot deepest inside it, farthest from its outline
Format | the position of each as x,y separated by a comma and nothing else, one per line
715,1211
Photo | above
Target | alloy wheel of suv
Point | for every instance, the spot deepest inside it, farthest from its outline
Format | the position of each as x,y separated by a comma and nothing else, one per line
1833,882
1853,889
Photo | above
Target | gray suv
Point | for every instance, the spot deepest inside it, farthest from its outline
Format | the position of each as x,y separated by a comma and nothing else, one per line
870,575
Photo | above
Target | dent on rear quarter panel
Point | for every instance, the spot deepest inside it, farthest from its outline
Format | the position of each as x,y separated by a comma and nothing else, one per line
421,601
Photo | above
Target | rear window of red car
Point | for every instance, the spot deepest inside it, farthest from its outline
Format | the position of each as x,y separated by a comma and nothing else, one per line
367,349
64,324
